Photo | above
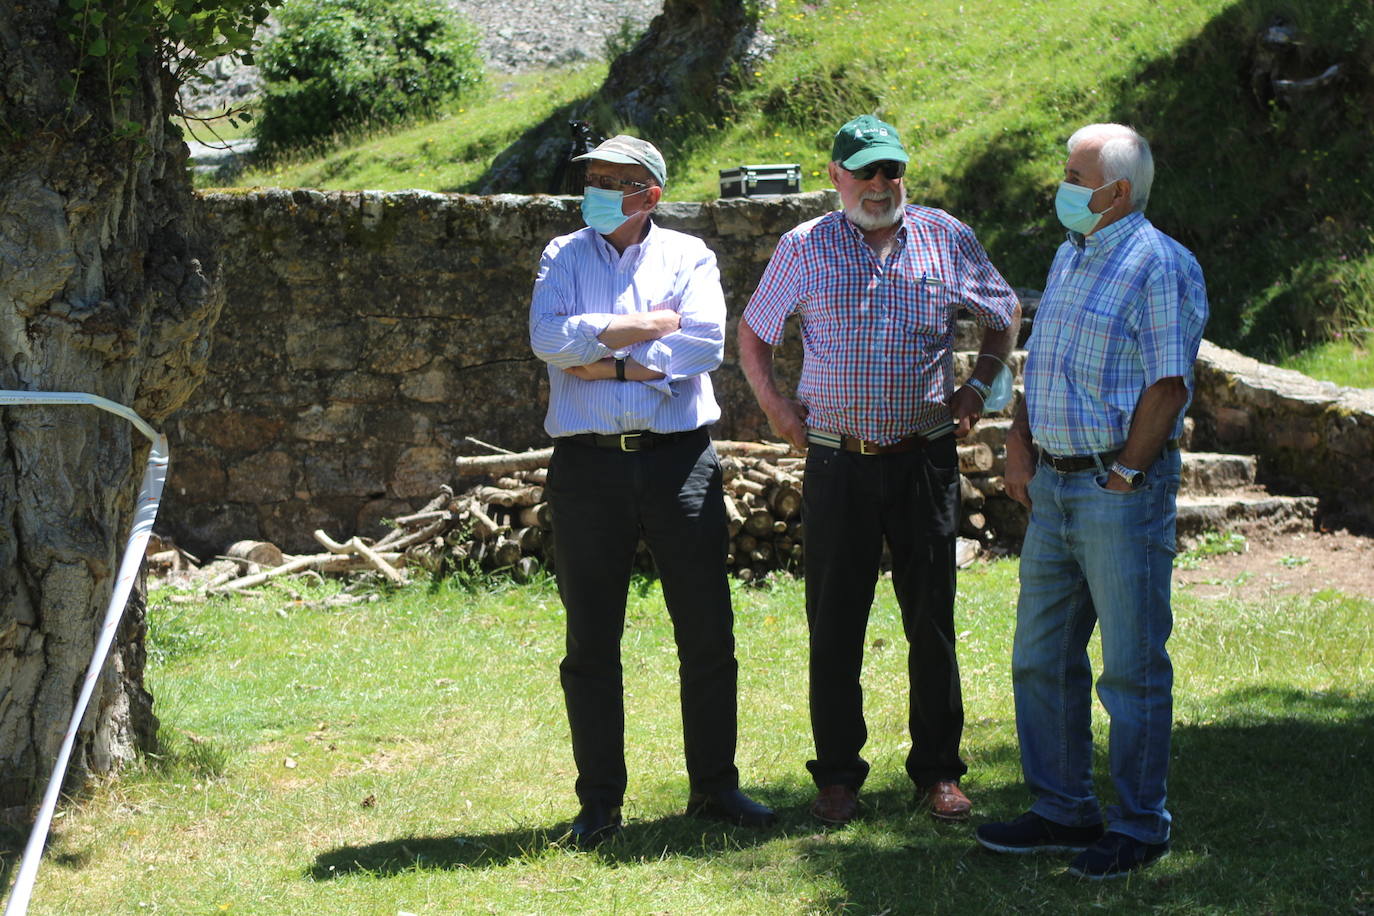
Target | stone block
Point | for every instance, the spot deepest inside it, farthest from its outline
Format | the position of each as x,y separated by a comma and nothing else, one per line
420,472
266,477
197,476
335,423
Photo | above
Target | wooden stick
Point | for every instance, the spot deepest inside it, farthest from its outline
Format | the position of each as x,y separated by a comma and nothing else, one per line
487,445
355,545
376,560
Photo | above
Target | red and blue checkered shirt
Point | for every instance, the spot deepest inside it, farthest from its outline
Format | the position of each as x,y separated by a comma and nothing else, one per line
878,336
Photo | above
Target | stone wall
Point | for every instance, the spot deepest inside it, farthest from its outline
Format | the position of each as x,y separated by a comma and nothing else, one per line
365,335
1312,438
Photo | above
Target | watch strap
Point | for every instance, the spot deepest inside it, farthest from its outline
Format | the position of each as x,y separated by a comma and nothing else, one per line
620,368
982,388
1130,475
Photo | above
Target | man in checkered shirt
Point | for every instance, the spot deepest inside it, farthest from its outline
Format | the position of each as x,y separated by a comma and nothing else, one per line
877,288
1093,453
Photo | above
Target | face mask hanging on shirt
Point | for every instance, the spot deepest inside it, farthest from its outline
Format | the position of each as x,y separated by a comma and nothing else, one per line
1071,206
601,209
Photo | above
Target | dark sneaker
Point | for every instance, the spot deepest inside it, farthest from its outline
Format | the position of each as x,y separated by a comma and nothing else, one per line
1032,833
1116,856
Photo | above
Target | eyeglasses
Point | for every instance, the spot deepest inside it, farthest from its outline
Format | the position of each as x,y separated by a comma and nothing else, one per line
607,183
891,170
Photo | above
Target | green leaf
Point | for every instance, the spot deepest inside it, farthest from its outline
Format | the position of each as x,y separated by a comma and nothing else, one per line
98,47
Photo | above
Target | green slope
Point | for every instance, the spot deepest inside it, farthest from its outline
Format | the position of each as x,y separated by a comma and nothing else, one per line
1275,200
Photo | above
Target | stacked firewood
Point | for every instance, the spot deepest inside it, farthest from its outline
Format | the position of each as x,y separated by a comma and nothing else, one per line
763,499
502,522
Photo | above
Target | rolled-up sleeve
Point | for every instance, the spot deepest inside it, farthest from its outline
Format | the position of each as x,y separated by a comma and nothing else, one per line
557,336
698,345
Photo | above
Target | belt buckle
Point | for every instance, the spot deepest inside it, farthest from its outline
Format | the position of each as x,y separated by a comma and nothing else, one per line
864,450
625,445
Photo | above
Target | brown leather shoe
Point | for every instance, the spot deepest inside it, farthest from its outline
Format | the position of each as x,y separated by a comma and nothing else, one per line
947,801
836,805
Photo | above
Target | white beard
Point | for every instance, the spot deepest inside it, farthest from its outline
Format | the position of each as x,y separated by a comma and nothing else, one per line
873,221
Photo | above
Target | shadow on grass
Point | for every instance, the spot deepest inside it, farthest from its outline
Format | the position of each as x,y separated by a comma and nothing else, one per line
1270,800
1271,814
678,835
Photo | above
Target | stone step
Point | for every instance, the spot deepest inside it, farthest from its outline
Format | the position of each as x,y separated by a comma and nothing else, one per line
1249,514
1213,473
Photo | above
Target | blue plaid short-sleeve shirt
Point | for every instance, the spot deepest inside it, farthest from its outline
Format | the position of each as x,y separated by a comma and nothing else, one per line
1122,309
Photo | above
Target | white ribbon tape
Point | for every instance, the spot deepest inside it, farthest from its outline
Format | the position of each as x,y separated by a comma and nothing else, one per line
149,496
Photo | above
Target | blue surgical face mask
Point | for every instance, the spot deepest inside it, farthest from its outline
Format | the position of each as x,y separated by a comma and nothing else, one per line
1000,394
1071,205
601,209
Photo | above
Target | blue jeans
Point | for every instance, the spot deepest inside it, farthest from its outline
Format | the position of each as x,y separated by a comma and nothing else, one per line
1091,556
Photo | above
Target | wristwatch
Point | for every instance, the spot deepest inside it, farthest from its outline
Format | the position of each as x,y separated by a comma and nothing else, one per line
981,387
620,368
1135,478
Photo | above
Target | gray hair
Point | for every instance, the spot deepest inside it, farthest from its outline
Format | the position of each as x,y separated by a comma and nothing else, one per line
1124,154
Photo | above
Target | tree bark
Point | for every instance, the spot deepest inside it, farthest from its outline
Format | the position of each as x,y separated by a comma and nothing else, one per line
104,288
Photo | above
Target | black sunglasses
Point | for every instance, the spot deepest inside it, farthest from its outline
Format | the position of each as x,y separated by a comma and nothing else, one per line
891,170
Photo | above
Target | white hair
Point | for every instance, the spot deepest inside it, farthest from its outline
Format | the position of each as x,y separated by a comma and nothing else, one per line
1123,154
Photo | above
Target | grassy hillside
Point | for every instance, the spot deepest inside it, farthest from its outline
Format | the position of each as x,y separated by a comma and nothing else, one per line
1275,199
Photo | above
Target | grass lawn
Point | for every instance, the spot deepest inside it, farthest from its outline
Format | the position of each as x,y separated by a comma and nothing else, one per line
410,756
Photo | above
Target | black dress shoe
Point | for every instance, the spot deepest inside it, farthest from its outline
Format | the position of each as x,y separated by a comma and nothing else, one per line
594,823
731,806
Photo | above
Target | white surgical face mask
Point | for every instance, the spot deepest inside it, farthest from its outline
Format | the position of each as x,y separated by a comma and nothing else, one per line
1071,206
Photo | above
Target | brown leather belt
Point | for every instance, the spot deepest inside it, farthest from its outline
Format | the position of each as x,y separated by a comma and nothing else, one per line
636,441
1067,464
863,447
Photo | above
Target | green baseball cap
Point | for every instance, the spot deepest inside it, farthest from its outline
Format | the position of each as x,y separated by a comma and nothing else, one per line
629,150
864,140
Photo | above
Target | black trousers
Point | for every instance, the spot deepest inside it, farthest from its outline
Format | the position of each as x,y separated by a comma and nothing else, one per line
604,501
851,502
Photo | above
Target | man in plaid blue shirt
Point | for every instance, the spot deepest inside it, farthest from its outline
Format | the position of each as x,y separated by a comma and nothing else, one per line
878,287
1093,453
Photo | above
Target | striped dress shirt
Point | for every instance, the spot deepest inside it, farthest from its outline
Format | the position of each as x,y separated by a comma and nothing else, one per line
582,283
878,336
1123,308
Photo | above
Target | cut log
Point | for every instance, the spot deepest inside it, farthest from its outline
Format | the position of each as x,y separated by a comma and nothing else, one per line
483,525
734,519
531,540
541,515
759,523
503,464
259,552
506,552
522,495
975,459
744,485
786,501
752,449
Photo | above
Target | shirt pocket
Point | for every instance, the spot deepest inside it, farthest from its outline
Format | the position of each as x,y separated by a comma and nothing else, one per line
922,304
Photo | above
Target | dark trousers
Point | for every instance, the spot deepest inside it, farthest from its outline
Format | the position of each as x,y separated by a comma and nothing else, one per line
850,503
604,501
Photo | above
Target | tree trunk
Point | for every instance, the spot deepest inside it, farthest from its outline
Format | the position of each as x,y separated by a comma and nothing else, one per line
103,289
675,80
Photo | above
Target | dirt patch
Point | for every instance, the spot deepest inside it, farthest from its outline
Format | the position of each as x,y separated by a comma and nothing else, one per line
1286,564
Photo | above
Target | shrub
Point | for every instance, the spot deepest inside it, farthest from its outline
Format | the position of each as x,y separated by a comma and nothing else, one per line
334,65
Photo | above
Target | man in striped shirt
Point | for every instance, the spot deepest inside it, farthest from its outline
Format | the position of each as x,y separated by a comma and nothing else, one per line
878,288
631,319
1093,453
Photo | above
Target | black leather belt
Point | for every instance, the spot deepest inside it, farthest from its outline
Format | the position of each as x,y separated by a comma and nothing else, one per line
636,441
1067,464
863,447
